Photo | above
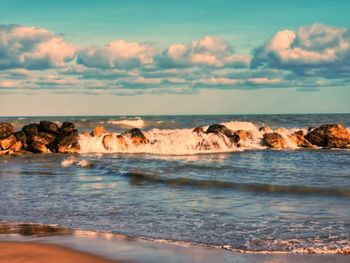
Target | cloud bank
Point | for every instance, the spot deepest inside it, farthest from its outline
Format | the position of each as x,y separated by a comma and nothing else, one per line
317,49
307,58
32,48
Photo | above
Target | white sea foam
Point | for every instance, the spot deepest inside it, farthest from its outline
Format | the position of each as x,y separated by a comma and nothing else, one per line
67,162
70,161
184,141
136,122
84,163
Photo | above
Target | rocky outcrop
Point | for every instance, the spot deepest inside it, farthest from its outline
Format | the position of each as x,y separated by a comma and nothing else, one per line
274,140
330,136
6,129
299,139
98,130
136,135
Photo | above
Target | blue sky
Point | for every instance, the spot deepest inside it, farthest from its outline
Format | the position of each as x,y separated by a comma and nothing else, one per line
174,57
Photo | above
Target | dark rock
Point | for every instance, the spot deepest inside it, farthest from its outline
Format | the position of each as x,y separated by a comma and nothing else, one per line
310,129
299,139
8,142
6,129
67,127
274,140
219,129
330,135
21,136
136,136
47,126
30,130
66,142
44,137
199,130
37,147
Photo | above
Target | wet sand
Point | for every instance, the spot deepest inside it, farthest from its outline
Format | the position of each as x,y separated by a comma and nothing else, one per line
13,252
29,243
86,250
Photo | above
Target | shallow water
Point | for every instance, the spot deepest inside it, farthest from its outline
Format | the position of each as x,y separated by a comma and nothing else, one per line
253,200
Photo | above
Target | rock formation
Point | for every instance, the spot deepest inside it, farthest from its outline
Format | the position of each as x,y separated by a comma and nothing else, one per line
330,136
275,140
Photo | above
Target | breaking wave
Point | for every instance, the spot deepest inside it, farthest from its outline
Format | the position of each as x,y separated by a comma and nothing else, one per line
182,141
136,122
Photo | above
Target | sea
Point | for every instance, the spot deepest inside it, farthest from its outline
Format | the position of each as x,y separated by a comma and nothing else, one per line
249,199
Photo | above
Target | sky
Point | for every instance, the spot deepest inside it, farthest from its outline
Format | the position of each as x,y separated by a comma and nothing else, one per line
134,57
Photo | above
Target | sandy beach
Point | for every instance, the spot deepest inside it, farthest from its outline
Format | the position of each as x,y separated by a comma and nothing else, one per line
11,252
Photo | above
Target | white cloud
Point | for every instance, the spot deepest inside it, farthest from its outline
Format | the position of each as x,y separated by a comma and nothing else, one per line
117,54
309,48
32,48
208,52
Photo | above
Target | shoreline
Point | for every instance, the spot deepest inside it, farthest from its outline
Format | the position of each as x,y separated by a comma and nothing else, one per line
108,247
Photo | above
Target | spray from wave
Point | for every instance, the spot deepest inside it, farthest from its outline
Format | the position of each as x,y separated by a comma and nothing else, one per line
181,141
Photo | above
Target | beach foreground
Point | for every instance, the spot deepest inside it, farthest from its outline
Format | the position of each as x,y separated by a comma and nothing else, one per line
19,252
38,243
11,252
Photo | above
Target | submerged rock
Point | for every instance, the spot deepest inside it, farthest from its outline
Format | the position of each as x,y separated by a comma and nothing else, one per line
49,127
8,142
136,135
298,138
6,129
98,130
274,140
330,136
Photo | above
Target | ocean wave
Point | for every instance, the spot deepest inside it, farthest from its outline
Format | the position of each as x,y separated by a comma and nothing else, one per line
136,122
139,178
